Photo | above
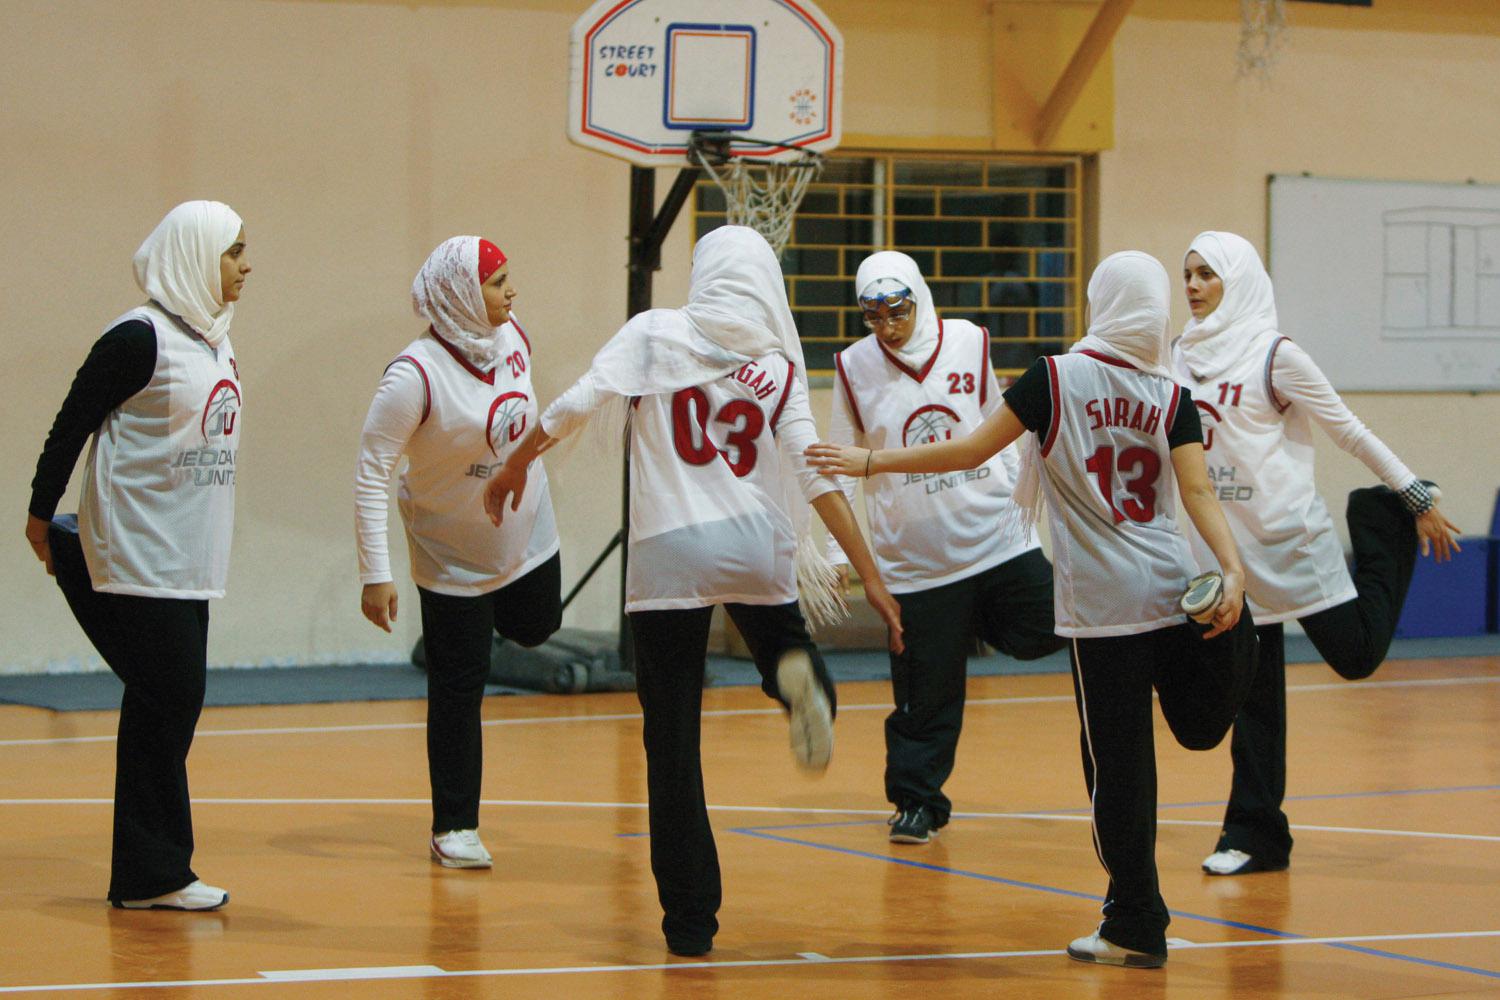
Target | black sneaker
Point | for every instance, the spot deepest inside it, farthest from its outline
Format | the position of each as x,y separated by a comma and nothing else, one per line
912,826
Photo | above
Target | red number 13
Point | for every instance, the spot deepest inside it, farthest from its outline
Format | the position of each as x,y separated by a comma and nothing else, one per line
1141,506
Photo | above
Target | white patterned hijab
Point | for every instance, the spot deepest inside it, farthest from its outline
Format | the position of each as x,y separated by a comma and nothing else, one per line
178,265
447,294
1244,317
893,264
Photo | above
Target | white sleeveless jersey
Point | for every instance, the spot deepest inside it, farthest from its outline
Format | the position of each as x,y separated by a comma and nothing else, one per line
1260,459
710,467
471,422
930,529
157,506
1120,562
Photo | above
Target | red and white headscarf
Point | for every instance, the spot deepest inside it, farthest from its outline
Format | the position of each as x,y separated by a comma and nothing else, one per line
446,292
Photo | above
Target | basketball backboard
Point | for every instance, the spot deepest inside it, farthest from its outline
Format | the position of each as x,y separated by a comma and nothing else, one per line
646,74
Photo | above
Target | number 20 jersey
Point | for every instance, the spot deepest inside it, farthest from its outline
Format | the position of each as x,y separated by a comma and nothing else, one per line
1120,563
711,467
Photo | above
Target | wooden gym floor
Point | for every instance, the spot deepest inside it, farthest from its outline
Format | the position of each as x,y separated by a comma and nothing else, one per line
315,818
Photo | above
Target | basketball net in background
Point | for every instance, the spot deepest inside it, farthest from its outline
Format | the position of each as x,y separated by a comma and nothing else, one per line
1262,34
763,196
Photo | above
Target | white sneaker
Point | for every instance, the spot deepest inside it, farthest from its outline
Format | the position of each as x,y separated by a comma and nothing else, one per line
1201,598
460,849
193,896
1235,862
812,719
1095,949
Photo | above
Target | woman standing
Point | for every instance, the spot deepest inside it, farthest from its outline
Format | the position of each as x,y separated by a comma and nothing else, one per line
719,496
455,401
160,393
1110,432
1259,394
915,379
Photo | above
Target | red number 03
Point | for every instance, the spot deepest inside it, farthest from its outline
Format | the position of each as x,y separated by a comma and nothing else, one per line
690,430
1141,505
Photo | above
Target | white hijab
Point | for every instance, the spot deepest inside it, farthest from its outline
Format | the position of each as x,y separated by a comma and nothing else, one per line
178,265
447,294
1129,309
737,311
1245,317
892,264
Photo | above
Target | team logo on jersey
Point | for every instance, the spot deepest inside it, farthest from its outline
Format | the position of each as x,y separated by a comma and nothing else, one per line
221,411
507,420
928,424
1206,410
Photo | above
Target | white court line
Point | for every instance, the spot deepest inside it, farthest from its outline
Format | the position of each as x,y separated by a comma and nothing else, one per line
804,959
711,713
775,810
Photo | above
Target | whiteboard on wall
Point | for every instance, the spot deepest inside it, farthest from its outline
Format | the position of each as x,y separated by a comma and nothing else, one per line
1390,285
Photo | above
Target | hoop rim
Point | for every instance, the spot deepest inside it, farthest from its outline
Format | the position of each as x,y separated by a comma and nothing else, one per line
715,148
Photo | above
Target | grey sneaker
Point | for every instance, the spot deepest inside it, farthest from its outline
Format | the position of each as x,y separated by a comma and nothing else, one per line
1201,598
811,716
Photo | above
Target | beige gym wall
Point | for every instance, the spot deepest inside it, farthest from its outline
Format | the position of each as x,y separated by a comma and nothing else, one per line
353,137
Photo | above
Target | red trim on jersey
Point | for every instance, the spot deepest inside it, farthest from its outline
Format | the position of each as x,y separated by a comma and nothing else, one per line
921,375
1172,410
1270,386
838,367
426,385
984,363
524,339
791,373
488,378
1117,362
1056,406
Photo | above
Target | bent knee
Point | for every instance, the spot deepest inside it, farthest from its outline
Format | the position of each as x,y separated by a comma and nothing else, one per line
1355,669
534,634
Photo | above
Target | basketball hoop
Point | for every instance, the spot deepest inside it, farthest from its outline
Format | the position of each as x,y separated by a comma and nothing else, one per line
763,196
1262,32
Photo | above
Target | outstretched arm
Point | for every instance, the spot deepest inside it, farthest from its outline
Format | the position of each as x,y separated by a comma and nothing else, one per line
510,481
838,517
998,430
1203,508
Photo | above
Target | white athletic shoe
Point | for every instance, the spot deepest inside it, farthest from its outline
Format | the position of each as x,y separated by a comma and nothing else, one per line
1201,598
1095,949
193,896
1235,862
460,849
812,718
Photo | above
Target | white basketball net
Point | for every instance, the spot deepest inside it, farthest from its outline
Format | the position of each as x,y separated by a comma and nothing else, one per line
1262,33
763,196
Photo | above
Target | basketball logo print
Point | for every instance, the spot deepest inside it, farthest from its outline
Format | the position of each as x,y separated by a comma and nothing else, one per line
507,420
1206,410
928,424
221,411
804,107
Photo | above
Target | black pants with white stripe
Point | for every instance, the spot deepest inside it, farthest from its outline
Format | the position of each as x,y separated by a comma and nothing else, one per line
1009,606
1201,685
159,647
1352,637
456,634
670,653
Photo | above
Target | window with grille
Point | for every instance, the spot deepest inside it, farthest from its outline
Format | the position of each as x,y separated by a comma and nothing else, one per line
997,238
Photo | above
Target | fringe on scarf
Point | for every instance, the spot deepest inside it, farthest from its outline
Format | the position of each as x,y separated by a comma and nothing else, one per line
818,585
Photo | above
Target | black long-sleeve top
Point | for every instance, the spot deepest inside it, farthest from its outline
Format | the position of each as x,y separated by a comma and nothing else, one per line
119,365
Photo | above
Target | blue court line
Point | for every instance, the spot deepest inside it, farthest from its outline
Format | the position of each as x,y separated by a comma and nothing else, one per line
763,833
